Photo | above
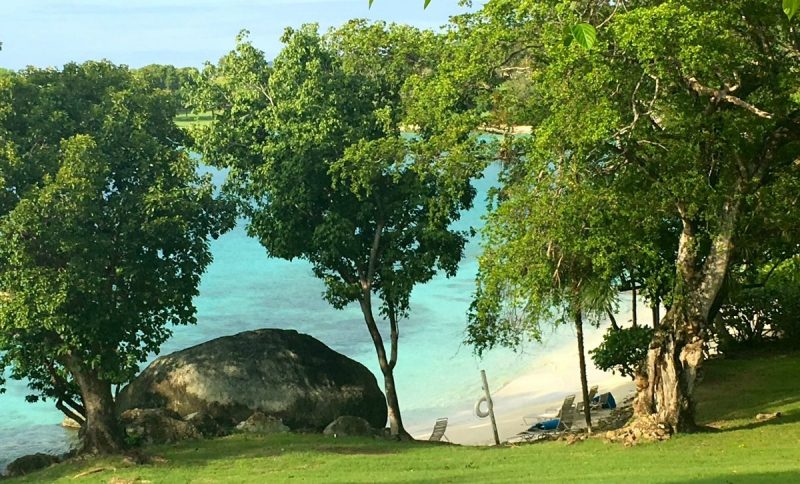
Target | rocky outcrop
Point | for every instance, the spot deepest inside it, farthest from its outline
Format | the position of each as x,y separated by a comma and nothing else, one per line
281,373
348,426
157,426
258,423
30,463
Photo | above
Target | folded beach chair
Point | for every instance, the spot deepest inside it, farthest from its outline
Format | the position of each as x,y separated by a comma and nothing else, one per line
592,394
438,430
561,422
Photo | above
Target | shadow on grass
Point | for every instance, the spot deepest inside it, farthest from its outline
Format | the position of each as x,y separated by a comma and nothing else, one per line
785,418
246,447
785,476
737,389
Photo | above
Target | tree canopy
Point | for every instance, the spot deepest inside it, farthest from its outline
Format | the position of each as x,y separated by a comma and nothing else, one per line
323,172
103,237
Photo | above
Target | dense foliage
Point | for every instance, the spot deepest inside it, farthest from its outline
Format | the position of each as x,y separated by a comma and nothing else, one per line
755,314
623,350
178,81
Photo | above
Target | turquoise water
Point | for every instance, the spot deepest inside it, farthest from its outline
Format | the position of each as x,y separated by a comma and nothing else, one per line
243,289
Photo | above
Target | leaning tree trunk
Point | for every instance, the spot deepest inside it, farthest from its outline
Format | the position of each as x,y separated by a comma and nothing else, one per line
102,432
587,413
665,395
387,366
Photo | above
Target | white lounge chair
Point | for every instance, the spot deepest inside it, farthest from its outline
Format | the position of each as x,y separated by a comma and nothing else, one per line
438,430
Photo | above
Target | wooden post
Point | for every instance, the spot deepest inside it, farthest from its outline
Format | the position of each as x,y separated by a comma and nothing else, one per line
491,407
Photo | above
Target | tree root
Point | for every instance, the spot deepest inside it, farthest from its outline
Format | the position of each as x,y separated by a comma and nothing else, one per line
640,430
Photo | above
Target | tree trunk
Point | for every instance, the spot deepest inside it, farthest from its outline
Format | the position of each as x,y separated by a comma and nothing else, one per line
634,304
673,363
665,395
656,313
70,413
587,413
612,319
395,419
387,366
102,432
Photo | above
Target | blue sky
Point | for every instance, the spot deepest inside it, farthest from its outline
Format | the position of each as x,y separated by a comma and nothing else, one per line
179,32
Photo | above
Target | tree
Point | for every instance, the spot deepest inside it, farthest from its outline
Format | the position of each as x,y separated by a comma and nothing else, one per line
323,172
685,110
548,259
103,238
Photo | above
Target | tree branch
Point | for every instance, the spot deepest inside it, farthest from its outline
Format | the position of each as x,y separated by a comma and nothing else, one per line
725,95
395,336
373,256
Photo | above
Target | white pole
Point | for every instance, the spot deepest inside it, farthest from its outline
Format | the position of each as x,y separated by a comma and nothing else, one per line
491,407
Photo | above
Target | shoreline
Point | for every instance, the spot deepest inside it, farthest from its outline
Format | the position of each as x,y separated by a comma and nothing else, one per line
537,389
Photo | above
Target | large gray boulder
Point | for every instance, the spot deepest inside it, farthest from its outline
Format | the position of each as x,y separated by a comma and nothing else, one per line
281,373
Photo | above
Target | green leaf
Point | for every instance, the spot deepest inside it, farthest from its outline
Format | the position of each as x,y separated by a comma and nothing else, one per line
791,7
568,37
370,3
585,35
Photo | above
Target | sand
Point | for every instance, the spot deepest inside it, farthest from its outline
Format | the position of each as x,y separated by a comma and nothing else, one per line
537,390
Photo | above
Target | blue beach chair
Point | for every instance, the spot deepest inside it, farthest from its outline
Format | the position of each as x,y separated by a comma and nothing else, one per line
545,425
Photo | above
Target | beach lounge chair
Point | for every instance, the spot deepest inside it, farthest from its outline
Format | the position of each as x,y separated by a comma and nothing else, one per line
592,394
552,414
565,410
560,422
438,430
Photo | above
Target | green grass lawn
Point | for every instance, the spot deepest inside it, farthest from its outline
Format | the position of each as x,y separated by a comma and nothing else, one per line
190,119
734,391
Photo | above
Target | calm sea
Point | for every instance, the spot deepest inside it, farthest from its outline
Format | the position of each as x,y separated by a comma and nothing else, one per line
243,289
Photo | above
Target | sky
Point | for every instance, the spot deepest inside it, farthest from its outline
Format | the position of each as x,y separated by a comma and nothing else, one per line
47,33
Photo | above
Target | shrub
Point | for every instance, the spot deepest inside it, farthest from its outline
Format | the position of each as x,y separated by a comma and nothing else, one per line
623,350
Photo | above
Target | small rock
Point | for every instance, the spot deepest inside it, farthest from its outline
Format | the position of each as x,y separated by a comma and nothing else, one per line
348,426
258,423
69,423
761,417
30,463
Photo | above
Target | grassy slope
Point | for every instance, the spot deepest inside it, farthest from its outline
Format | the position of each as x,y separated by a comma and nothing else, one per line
733,393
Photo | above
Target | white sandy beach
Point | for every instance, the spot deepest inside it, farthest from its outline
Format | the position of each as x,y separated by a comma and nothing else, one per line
540,388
